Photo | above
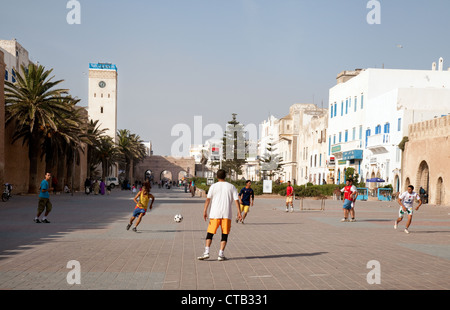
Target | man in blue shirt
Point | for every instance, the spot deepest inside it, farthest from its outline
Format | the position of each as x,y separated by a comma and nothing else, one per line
246,197
44,199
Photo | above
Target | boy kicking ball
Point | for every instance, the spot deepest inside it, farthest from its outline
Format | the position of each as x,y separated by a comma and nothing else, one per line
141,205
406,201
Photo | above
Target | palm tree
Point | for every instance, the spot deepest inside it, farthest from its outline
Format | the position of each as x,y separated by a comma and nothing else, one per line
93,140
131,149
35,106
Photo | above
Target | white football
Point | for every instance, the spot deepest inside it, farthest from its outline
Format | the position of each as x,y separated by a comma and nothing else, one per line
178,218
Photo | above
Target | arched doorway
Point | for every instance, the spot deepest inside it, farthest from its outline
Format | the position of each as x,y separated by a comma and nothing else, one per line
407,183
396,184
148,175
440,191
423,176
165,175
182,175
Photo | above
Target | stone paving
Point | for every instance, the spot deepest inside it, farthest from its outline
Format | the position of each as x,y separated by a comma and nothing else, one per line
273,250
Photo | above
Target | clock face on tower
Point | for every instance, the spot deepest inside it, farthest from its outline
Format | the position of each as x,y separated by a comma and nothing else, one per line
102,84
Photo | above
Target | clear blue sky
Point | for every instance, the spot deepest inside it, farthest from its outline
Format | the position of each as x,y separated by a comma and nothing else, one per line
180,58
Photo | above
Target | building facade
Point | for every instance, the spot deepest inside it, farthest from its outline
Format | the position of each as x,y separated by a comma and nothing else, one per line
102,97
426,159
369,114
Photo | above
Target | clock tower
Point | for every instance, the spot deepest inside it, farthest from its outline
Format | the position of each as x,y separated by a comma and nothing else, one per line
102,96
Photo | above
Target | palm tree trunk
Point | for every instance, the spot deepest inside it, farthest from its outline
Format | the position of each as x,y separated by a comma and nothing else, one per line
33,156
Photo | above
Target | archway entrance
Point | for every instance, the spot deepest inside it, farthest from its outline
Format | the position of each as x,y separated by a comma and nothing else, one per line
423,176
148,175
166,175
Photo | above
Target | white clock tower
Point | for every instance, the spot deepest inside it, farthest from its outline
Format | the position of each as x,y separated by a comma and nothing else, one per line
102,104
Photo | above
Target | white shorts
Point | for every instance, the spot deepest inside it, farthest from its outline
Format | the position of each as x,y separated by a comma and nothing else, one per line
401,213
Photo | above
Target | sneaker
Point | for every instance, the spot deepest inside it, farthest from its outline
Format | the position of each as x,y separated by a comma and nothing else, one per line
134,229
128,226
352,220
406,230
204,256
45,221
395,225
287,210
221,258
344,220
292,209
37,221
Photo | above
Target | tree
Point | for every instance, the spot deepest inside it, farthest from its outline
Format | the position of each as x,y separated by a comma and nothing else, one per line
234,147
270,161
131,150
36,107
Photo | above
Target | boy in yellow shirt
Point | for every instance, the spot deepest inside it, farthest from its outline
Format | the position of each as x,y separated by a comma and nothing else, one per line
141,205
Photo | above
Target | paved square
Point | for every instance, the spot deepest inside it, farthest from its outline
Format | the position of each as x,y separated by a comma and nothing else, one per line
273,250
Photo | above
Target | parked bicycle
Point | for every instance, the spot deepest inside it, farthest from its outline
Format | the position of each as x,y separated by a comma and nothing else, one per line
7,192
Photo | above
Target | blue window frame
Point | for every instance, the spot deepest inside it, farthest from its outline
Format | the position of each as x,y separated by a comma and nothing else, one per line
399,124
387,128
331,111
335,109
362,101
342,108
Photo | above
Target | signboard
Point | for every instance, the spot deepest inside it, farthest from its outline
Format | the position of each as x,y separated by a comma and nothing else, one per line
336,148
209,181
267,186
354,154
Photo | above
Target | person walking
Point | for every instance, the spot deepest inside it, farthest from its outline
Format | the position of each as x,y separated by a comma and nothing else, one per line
406,202
141,205
246,197
289,197
44,203
221,197
350,193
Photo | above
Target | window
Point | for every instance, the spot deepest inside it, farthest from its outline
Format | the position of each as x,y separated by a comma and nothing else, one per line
334,139
340,137
360,132
378,129
346,106
329,145
362,101
335,108
386,128
331,111
354,133
95,95
399,125
101,110
346,136
356,103
6,75
13,76
367,135
342,108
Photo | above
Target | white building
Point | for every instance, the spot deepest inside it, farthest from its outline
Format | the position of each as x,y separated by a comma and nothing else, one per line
369,114
102,98
15,56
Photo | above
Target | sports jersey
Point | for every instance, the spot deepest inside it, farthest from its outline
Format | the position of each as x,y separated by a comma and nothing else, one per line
289,190
246,194
408,199
348,191
222,195
143,201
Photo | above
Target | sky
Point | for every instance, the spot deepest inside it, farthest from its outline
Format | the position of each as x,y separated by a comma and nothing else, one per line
178,59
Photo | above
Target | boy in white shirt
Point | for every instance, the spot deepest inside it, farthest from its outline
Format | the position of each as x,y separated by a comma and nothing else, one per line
406,201
221,195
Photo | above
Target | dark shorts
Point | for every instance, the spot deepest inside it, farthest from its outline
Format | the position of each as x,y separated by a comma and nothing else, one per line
44,204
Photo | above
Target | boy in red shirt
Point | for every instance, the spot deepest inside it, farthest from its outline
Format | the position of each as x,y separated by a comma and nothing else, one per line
350,192
289,197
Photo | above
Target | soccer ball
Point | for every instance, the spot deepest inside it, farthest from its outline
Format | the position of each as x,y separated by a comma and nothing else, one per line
178,218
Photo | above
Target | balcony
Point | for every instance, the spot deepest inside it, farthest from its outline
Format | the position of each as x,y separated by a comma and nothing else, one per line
378,143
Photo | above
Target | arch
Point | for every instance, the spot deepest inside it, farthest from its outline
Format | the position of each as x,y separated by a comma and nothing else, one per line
440,191
148,175
423,176
166,175
396,183
182,174
407,183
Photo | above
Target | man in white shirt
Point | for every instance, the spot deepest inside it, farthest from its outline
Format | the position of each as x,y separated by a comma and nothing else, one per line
221,195
406,201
